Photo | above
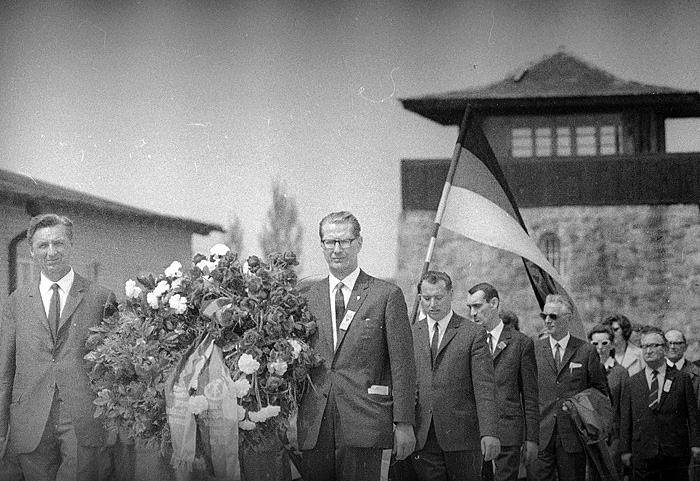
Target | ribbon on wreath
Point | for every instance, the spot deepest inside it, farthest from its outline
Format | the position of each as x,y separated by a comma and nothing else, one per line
201,389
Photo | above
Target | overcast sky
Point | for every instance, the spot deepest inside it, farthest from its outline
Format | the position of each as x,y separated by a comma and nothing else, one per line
192,108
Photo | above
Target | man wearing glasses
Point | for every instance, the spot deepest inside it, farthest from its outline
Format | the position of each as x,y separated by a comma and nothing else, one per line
363,398
659,429
677,346
566,366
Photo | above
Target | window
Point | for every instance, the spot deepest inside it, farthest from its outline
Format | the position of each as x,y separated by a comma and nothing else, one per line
521,142
543,142
563,141
608,140
550,246
585,141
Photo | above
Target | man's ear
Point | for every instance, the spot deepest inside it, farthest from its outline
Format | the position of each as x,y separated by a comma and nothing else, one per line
494,303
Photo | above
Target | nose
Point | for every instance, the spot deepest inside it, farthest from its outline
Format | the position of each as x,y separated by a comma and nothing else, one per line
51,250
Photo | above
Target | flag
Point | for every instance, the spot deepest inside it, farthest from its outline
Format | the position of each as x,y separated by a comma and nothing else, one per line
479,205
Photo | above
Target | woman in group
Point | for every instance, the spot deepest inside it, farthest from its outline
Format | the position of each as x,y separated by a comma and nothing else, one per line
626,354
601,336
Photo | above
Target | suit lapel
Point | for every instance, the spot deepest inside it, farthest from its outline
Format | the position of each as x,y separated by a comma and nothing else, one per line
38,306
502,341
670,377
450,332
75,297
423,347
357,297
547,354
325,329
571,348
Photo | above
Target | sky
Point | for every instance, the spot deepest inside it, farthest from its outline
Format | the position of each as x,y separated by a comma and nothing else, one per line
194,108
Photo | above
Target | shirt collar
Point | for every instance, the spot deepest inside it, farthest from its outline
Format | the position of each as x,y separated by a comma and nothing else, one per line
442,322
563,342
65,282
661,370
348,281
496,332
679,364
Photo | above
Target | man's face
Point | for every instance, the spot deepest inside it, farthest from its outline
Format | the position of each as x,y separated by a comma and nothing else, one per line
676,345
556,322
435,299
50,250
653,349
483,312
603,344
341,261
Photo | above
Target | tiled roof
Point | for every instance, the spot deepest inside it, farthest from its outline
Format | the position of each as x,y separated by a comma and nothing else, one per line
560,79
27,189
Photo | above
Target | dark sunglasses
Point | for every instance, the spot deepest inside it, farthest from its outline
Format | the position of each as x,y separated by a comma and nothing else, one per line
544,316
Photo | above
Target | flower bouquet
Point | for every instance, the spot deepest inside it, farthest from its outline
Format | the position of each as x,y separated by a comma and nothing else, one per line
206,361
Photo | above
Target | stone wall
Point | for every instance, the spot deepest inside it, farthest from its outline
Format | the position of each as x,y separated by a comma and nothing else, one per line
641,261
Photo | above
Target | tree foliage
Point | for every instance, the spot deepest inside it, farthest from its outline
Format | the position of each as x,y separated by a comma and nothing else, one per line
283,231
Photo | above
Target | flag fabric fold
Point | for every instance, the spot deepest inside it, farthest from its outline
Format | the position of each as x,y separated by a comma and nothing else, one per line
479,205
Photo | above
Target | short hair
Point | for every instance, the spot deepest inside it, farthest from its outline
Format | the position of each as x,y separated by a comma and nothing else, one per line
655,330
489,291
679,331
49,220
510,318
601,329
561,299
624,323
342,217
433,277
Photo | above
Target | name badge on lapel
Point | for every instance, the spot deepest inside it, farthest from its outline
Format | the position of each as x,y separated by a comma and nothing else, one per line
349,316
667,385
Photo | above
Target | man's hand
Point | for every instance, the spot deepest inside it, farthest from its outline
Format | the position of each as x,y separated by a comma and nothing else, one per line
696,452
529,452
626,459
404,440
490,447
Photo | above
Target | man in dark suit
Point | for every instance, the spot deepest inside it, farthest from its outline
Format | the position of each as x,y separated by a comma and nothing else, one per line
456,415
566,366
363,397
659,428
516,385
45,396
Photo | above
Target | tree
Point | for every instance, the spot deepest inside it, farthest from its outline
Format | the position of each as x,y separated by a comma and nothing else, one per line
283,231
233,237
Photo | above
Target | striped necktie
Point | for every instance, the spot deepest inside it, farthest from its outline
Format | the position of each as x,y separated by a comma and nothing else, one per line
654,391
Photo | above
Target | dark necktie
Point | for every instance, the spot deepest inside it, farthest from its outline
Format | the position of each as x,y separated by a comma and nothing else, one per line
557,355
491,342
339,307
654,391
435,343
54,308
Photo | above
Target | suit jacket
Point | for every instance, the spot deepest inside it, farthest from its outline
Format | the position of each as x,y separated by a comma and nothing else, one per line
33,364
694,372
671,429
580,369
375,350
516,388
618,383
458,393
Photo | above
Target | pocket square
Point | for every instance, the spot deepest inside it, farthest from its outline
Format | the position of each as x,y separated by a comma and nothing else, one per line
382,390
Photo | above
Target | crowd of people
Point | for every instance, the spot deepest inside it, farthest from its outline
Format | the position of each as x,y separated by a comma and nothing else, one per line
454,397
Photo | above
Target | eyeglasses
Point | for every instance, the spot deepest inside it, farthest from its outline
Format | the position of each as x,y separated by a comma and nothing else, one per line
616,328
544,316
600,343
343,243
653,345
676,343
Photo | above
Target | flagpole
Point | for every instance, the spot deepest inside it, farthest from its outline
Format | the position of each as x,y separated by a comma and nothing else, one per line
441,206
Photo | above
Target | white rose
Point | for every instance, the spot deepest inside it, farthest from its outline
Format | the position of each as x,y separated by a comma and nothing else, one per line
241,412
205,264
152,299
248,364
296,348
178,303
161,288
271,411
278,366
174,270
246,425
264,414
131,290
197,404
241,387
219,250
256,416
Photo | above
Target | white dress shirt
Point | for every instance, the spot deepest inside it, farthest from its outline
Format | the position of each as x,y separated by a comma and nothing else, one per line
348,285
563,342
64,285
495,335
678,364
442,325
